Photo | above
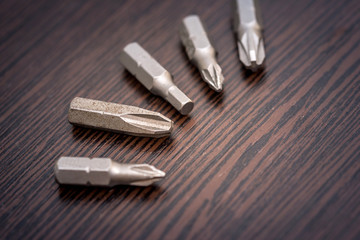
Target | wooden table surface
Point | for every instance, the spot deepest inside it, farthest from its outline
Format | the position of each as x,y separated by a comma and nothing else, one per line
276,155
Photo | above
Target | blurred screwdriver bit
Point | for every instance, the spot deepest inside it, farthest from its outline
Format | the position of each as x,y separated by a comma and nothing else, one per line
154,77
200,51
118,118
248,30
104,172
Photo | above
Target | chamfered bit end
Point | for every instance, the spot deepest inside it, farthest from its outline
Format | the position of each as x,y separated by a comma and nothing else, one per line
179,100
118,118
104,172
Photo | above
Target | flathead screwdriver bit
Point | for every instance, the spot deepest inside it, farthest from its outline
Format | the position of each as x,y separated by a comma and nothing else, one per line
104,172
118,118
248,30
154,77
200,51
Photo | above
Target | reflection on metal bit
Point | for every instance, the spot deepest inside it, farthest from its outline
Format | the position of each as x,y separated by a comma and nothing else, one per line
118,118
248,30
200,51
154,77
104,172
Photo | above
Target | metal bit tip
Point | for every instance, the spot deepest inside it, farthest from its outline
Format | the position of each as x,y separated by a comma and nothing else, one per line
118,118
154,77
248,30
200,51
104,172
251,51
146,173
213,76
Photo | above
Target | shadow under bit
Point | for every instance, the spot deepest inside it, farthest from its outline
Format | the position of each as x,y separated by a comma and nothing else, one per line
131,81
254,78
84,135
83,194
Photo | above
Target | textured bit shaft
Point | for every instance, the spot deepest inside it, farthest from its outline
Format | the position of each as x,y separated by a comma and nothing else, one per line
104,172
248,30
154,77
200,51
118,118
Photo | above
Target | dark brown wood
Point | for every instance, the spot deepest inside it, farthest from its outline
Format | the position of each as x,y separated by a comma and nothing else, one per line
276,155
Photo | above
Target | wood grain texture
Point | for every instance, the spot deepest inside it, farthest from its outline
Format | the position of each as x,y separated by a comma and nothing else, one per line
276,155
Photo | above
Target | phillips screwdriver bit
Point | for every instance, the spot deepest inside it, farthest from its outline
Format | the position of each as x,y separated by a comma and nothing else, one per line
154,77
200,51
248,30
104,172
118,118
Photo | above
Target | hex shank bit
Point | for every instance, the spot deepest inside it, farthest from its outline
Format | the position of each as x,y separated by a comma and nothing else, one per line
200,51
118,118
104,172
154,77
248,30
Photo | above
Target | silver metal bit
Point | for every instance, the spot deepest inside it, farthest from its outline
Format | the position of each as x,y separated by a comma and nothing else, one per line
200,51
118,118
104,172
248,30
154,77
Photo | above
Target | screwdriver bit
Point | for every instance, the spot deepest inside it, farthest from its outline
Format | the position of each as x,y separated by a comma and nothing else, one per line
118,118
200,51
104,172
248,30
154,77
